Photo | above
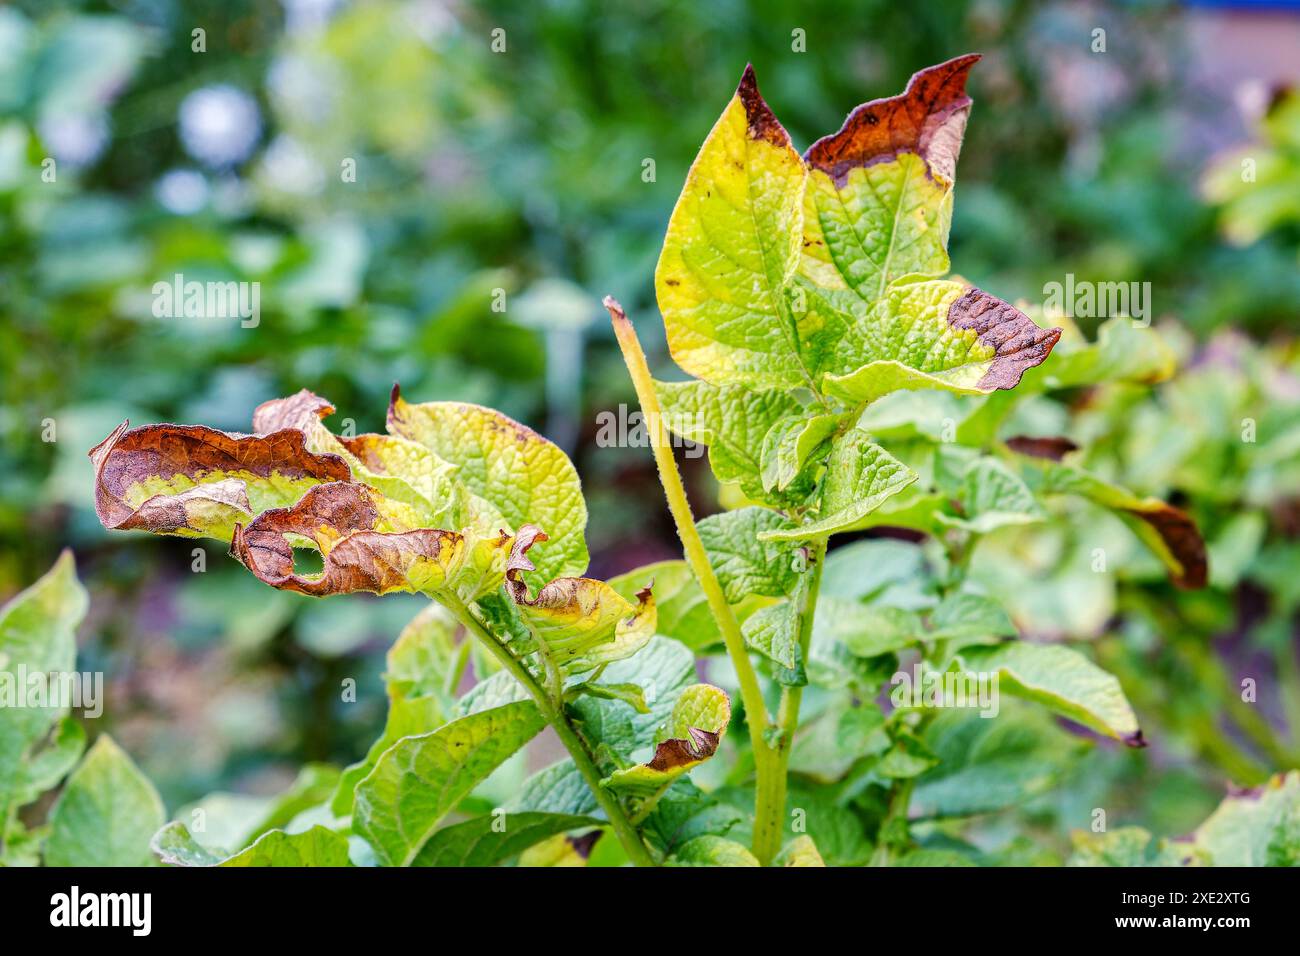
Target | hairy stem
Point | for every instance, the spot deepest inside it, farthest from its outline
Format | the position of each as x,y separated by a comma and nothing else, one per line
553,711
751,694
769,809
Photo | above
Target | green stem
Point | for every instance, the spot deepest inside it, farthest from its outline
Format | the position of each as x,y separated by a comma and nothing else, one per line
751,694
769,805
553,711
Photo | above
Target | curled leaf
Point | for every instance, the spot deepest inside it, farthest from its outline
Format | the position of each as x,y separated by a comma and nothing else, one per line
699,720
582,622
362,551
194,481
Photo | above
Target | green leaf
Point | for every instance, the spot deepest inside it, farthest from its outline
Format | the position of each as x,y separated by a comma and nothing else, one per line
867,630
1123,352
993,496
987,764
966,618
772,632
746,565
1062,679
732,246
790,444
319,846
559,789
419,780
37,634
488,840
513,474
663,669
712,850
732,421
106,814
860,477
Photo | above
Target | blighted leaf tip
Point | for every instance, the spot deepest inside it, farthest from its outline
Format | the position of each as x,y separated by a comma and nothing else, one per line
762,122
1017,341
1135,740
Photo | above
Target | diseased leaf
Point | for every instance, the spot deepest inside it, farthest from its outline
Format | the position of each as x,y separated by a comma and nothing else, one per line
746,565
363,551
194,481
37,634
1169,532
489,840
731,248
879,198
318,846
419,780
106,814
1064,680
938,335
581,622
860,477
663,669
513,475
405,472
700,717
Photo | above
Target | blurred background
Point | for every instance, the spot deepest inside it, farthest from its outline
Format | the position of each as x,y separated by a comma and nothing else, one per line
390,170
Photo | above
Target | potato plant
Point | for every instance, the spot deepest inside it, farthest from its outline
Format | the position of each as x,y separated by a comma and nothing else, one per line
841,384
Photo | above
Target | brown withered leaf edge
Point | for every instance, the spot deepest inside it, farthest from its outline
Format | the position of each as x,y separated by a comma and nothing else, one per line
1052,447
361,559
928,118
676,752
1016,341
130,456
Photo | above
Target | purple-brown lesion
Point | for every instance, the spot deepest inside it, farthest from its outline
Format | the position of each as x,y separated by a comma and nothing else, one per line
1017,342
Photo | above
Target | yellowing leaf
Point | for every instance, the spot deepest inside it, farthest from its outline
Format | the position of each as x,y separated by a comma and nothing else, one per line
582,623
732,246
513,475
